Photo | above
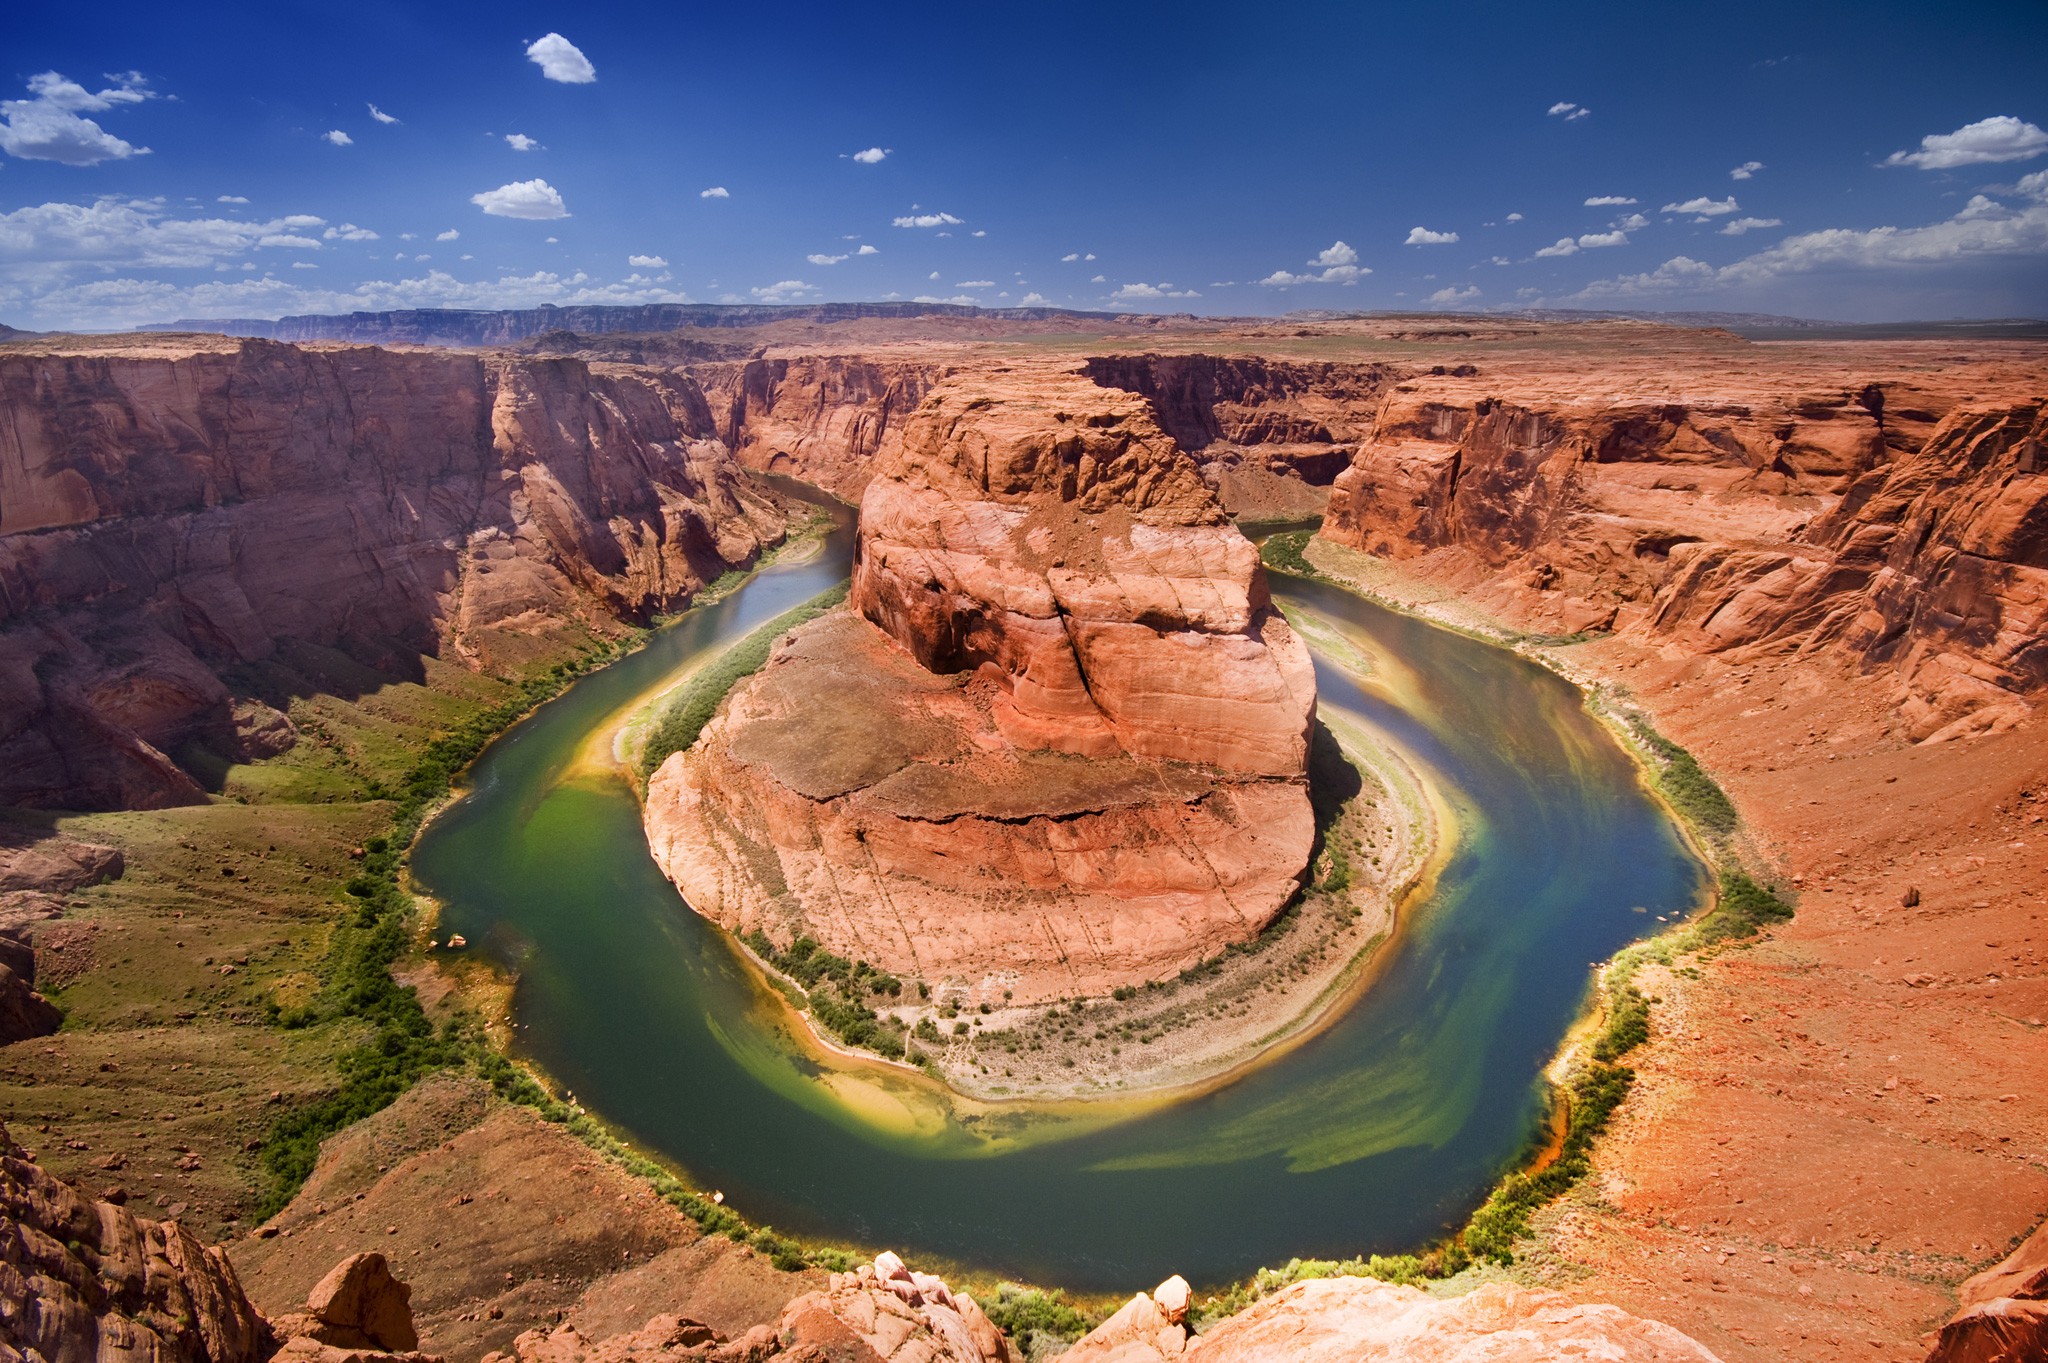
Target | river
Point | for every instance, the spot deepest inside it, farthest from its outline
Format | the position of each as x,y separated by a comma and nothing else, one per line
1378,1133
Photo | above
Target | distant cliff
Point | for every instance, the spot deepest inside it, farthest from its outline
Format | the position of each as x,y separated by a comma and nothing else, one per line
467,327
172,513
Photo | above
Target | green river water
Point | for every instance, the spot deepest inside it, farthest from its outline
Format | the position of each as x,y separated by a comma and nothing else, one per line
1377,1134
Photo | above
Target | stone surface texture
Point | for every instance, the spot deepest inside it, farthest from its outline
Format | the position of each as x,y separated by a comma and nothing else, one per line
1896,518
1361,1320
90,1282
176,512
1057,744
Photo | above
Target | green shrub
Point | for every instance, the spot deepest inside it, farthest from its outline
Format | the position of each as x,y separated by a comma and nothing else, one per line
1037,1322
1681,780
692,706
1288,553
1742,909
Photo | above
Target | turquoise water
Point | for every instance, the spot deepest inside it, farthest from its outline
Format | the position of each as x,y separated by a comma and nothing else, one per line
1377,1134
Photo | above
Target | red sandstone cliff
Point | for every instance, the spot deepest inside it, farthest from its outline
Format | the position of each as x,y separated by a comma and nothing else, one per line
1066,754
827,419
173,511
1900,525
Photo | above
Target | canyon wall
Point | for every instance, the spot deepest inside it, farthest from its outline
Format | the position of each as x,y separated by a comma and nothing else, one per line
1905,527
827,419
1057,743
174,513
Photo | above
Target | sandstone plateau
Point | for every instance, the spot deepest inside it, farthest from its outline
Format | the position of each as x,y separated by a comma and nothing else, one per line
1056,745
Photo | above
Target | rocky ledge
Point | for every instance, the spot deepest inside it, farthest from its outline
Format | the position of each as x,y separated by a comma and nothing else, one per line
1059,743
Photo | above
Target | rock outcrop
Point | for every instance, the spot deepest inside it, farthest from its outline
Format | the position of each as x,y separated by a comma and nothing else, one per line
1361,1320
90,1282
179,516
2004,1311
1907,527
1059,747
881,1313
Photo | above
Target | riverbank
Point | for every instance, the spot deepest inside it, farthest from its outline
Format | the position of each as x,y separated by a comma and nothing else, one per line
1833,1125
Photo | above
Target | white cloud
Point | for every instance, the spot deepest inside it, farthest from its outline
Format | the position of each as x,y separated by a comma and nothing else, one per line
978,232
1705,207
1632,222
559,59
867,250
1745,170
521,142
47,126
1132,292
380,115
817,259
871,156
1034,300
929,220
1422,236
348,231
1568,111
715,192
1565,247
1455,295
52,237
647,262
1740,225
975,284
1089,256
450,235
2000,138
961,300
1338,254
1335,274
1502,260
1984,230
1070,257
304,265
1514,217
232,199
1593,240
783,291
532,199
1608,201
1096,279
338,138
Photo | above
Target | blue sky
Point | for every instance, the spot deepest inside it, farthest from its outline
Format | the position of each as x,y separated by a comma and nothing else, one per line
1861,162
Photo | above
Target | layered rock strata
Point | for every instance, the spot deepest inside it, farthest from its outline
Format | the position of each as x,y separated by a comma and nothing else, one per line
827,419
90,1282
178,515
1057,745
1900,526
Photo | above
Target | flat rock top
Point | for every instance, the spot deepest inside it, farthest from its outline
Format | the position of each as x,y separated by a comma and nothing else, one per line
840,708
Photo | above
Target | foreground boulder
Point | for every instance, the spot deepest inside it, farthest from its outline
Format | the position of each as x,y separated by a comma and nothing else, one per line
1362,1320
90,1282
880,1313
1058,744
2004,1315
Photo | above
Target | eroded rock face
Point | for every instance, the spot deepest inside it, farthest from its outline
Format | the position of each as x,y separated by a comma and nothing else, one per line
2004,1311
1060,747
1052,531
1361,1320
89,1282
1905,527
881,1313
171,512
827,419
